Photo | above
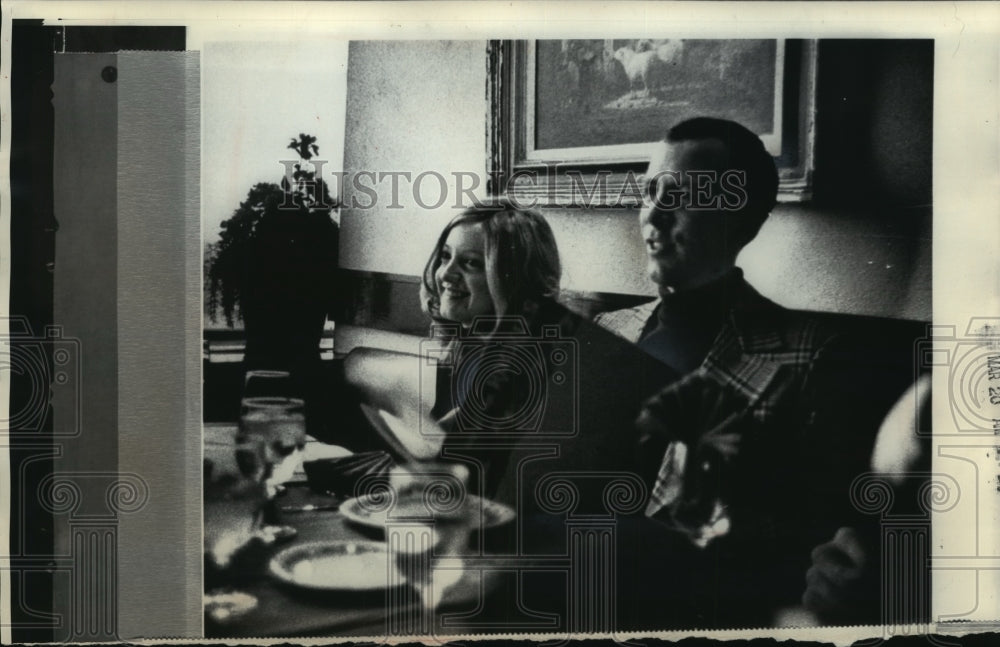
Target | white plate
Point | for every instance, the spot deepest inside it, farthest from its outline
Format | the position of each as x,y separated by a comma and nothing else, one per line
362,566
360,511
334,565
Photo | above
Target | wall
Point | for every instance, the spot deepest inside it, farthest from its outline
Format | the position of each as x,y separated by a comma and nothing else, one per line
862,246
411,107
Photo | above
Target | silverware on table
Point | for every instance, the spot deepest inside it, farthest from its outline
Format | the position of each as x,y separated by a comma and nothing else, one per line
310,507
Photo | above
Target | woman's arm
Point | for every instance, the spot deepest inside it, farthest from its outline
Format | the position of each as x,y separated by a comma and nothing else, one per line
389,380
402,385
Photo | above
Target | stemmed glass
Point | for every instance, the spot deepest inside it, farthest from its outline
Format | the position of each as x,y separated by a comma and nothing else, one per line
429,528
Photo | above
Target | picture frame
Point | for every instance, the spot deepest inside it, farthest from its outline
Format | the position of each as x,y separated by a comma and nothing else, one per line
574,122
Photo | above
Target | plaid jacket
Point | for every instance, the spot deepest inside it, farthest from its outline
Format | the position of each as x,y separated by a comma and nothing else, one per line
765,355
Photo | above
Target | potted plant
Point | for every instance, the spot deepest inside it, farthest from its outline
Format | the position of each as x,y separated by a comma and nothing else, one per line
275,266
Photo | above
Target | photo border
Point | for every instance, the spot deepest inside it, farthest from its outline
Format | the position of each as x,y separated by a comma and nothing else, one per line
964,144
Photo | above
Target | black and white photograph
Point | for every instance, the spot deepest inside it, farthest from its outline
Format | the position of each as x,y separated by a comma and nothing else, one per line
340,322
553,441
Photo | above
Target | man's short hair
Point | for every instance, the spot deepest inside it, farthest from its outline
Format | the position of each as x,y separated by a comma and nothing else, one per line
745,152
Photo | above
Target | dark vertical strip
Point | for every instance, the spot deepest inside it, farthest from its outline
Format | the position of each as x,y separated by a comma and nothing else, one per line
32,231
85,419
790,104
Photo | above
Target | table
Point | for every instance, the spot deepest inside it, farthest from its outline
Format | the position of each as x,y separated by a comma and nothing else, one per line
283,610
531,589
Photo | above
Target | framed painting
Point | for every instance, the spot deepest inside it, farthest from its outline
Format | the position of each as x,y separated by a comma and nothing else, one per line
574,122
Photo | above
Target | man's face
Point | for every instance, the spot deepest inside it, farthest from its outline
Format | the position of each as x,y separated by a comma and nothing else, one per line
689,238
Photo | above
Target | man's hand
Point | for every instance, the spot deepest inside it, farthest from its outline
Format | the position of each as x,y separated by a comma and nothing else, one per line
837,581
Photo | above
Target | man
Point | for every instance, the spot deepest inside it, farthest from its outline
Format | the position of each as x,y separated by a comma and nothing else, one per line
750,457
691,246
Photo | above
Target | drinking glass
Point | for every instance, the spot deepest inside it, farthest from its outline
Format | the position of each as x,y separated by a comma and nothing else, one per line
270,439
431,518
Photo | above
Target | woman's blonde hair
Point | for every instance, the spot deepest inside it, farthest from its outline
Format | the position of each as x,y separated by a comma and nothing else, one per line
522,260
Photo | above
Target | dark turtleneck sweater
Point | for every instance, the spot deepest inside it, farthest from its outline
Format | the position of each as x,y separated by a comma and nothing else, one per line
687,322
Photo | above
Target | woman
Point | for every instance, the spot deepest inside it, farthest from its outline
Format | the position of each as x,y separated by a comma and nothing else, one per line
495,269
495,260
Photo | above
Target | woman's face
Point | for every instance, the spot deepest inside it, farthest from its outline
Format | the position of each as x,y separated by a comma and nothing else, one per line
461,275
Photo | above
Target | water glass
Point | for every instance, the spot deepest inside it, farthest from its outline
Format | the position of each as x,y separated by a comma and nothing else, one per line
431,520
270,439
